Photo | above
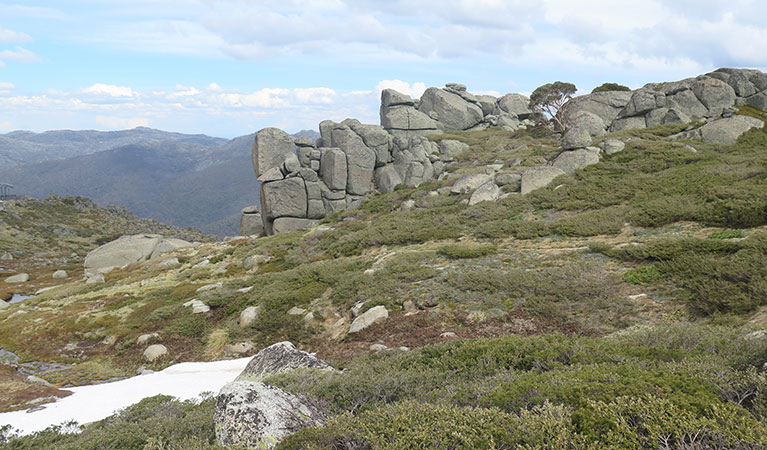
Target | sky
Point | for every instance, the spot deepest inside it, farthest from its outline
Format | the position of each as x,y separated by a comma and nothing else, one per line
231,67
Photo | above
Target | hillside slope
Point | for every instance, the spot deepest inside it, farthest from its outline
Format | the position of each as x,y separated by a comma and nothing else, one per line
633,288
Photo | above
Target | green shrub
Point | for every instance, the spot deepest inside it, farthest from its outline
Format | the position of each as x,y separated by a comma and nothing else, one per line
609,87
726,234
643,275
467,250
591,223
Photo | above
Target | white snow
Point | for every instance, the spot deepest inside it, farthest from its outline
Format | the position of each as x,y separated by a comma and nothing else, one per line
91,403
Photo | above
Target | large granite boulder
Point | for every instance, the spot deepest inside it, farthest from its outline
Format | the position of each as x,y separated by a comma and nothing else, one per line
727,131
333,168
279,358
288,224
515,104
605,105
256,415
576,137
128,250
716,95
387,178
270,148
360,160
488,192
284,198
370,317
451,111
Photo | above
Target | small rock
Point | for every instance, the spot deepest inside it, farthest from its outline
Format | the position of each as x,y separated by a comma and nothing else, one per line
37,380
408,205
59,274
144,339
448,334
612,146
209,287
469,183
197,306
19,278
488,192
202,263
245,290
409,307
309,318
249,315
3,304
372,316
253,261
378,348
239,348
95,278
7,256
296,311
155,352
168,262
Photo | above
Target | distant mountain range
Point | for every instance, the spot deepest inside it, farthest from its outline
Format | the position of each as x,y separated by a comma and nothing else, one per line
180,179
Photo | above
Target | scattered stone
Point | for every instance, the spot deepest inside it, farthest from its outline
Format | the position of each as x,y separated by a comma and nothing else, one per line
198,307
408,205
509,179
144,339
256,415
7,256
538,177
403,349
368,318
18,278
278,358
95,278
210,287
249,315
378,348
296,311
612,146
448,334
37,380
202,263
469,183
155,352
239,348
488,192
3,304
168,262
253,261
449,149
571,161
409,307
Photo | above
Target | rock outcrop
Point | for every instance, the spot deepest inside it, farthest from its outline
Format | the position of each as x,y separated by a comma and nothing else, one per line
251,223
128,250
352,159
278,358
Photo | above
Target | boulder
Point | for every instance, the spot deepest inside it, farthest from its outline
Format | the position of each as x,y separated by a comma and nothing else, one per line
287,224
488,192
387,178
449,149
390,97
714,94
487,103
758,101
273,174
368,318
727,131
686,104
375,138
251,222
144,339
59,274
629,123
155,352
360,160
7,256
571,161
643,101
538,177
253,261
606,105
612,146
333,168
468,183
270,148
590,122
256,415
449,110
18,278
239,348
278,358
406,118
248,316
94,278
128,250
3,304
291,163
515,104
509,179
576,137
284,198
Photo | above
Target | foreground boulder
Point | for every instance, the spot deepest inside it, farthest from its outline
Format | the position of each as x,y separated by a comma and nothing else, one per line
256,415
727,131
278,358
128,250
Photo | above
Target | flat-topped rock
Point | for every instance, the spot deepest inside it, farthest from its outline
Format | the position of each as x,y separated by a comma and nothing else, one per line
278,358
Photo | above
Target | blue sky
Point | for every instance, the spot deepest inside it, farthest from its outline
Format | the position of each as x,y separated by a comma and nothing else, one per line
230,67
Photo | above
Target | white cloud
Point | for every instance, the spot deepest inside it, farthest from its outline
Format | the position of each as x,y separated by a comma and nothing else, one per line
6,126
6,88
415,90
109,90
19,54
7,36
